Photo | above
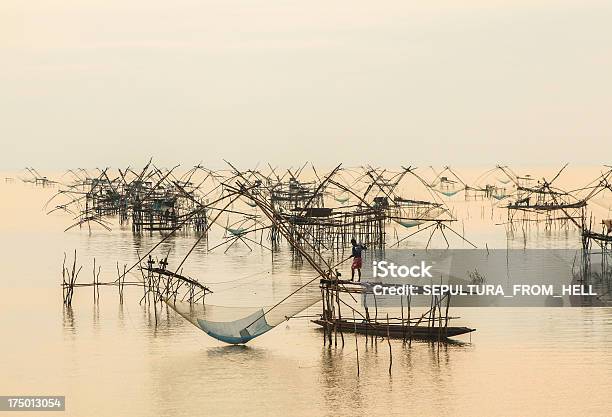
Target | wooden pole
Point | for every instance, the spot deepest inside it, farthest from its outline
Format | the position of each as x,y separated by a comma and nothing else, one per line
356,344
389,343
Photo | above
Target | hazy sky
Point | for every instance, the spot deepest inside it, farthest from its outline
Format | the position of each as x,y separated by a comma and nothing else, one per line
105,82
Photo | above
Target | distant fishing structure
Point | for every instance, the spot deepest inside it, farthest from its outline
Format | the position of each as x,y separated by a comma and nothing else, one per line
34,177
542,202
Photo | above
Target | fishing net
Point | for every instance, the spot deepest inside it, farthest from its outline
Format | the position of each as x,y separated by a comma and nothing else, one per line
240,324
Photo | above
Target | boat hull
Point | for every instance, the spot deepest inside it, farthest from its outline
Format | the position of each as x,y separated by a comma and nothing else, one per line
397,331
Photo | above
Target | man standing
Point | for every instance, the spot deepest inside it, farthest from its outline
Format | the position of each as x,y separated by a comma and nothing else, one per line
356,255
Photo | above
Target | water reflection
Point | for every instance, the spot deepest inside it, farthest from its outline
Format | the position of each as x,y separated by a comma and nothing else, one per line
68,320
236,353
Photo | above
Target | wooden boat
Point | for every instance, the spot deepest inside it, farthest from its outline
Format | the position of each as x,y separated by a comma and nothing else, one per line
397,331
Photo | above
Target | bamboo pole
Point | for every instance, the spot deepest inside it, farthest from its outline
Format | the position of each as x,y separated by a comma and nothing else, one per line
389,343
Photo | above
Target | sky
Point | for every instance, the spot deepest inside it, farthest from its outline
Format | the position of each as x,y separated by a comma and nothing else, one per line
93,83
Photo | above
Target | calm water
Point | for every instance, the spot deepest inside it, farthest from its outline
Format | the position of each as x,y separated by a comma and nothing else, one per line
111,360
